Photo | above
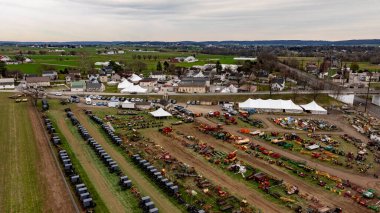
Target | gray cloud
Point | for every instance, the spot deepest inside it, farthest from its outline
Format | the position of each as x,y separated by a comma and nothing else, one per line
188,20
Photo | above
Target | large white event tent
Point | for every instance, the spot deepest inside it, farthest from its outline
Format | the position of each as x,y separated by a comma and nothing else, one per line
134,89
314,108
128,87
160,113
124,84
135,78
271,105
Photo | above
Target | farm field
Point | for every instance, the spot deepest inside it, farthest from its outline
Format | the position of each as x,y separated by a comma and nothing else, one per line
318,60
58,62
114,199
29,178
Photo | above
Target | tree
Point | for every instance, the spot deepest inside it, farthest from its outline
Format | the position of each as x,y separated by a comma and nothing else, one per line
3,68
166,65
116,67
85,64
159,66
137,66
218,67
20,58
354,66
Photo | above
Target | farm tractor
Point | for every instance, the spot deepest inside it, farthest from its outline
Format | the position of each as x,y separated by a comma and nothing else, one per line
165,130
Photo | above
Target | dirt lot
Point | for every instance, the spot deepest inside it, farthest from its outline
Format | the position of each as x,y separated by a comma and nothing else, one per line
322,195
238,189
142,183
58,197
361,180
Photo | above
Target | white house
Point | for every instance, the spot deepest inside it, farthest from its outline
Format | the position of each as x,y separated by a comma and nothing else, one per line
278,84
190,59
7,83
37,81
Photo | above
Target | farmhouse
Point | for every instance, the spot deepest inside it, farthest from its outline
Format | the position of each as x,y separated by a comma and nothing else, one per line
78,86
51,74
103,78
115,77
148,82
7,83
192,87
37,81
278,84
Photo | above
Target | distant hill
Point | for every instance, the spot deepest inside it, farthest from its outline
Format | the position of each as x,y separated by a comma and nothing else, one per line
360,42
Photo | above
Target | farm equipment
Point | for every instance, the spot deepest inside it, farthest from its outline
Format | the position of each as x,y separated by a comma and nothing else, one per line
232,156
165,130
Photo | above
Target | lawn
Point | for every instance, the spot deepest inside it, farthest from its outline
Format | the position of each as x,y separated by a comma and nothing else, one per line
20,189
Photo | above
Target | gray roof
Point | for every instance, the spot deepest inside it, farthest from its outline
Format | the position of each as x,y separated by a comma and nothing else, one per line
192,84
37,79
91,85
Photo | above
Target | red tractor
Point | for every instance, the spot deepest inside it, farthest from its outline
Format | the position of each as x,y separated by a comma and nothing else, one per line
166,130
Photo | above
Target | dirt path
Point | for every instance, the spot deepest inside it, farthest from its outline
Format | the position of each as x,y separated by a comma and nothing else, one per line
363,181
237,188
325,197
162,203
58,196
110,200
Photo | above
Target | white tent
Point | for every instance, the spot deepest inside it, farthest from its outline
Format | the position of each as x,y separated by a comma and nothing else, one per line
271,105
113,104
128,105
134,89
135,78
199,75
124,84
314,108
160,113
112,83
230,89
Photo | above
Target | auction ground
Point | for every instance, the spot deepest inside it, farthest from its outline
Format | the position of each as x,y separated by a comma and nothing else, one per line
29,178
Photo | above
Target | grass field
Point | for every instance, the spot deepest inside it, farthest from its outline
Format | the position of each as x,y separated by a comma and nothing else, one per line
20,189
125,198
59,62
100,206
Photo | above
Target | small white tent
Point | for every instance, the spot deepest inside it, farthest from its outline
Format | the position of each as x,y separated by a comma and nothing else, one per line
314,108
160,113
230,89
128,105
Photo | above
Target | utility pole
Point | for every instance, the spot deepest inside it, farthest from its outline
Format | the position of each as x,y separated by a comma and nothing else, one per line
369,85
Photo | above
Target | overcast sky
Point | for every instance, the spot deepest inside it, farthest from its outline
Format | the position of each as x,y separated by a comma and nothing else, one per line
198,20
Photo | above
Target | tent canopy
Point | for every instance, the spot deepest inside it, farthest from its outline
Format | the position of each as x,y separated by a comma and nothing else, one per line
124,84
133,89
314,108
270,105
135,78
160,113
